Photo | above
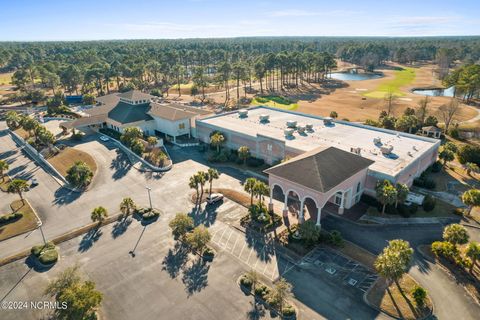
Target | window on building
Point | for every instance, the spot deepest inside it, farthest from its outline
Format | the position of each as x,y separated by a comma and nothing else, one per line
358,187
181,126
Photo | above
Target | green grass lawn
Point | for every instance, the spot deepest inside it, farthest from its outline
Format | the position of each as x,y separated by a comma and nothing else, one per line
442,209
275,102
402,78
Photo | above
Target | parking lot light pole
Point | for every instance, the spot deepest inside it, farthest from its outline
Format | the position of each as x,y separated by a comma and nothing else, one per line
149,196
41,231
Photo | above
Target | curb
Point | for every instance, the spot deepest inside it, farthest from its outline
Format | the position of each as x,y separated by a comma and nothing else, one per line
446,271
69,235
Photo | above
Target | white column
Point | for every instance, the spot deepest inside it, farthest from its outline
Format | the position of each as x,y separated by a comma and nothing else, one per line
270,204
319,215
285,208
301,218
342,203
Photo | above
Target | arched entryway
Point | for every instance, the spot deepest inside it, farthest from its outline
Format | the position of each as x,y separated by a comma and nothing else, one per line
293,202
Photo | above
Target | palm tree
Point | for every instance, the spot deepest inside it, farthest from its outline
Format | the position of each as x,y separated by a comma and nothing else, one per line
393,262
455,234
473,252
402,193
194,184
261,190
3,167
386,193
217,139
18,186
212,174
202,179
253,276
249,186
152,142
244,153
99,214
471,198
127,206
471,167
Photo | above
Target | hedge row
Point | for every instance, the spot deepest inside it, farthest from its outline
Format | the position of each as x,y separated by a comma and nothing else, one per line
11,217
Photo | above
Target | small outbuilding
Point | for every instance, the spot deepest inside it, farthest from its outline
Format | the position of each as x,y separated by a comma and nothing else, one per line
432,131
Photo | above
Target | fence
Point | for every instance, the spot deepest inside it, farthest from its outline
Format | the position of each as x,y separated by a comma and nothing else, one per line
37,156
143,161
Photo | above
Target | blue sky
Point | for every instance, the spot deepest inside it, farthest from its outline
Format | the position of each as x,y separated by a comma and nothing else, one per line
140,19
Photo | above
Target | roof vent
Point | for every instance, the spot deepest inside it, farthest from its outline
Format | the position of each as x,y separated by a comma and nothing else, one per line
264,117
415,148
300,129
288,132
291,123
242,113
309,127
377,140
386,149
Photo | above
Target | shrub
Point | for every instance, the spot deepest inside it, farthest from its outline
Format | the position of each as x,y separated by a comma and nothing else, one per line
288,311
208,253
46,254
8,218
429,203
255,162
49,257
436,167
147,213
336,238
371,201
246,282
413,208
447,250
262,291
419,294
77,136
110,132
137,147
469,153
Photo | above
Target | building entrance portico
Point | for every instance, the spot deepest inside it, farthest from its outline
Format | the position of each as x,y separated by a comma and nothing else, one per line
305,184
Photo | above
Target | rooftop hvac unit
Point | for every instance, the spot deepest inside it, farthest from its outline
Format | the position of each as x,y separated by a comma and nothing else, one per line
242,113
309,127
377,140
410,154
327,121
386,149
356,150
264,117
291,124
300,129
288,132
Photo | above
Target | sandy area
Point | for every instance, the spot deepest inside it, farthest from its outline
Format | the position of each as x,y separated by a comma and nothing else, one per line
349,102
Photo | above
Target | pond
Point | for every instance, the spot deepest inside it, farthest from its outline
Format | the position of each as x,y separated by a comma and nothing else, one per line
354,76
448,92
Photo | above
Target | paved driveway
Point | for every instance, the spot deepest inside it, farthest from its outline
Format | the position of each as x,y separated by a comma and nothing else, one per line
62,210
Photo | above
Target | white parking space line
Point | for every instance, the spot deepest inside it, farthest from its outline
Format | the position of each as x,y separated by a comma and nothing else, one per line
228,240
233,249
221,237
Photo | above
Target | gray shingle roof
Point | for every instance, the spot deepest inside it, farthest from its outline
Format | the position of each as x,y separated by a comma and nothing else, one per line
127,113
174,112
135,95
321,169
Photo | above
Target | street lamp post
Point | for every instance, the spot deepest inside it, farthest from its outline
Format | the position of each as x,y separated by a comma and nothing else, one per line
149,196
41,231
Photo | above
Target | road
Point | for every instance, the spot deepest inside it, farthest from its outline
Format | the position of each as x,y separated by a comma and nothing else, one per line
451,301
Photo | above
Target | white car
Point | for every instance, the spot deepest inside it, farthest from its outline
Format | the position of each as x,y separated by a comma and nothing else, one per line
104,138
214,197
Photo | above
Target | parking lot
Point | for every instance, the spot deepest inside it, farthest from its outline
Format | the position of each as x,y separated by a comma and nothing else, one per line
338,268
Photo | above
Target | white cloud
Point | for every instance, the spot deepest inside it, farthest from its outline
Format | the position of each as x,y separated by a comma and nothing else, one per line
306,13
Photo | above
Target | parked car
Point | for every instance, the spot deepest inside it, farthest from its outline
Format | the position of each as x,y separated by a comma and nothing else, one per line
33,182
214,197
104,138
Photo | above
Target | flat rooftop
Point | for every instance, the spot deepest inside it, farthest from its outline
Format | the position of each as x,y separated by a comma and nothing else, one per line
341,134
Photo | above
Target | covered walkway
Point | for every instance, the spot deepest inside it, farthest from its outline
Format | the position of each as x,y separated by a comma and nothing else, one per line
306,183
